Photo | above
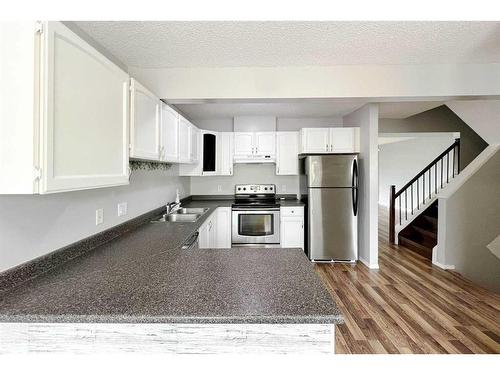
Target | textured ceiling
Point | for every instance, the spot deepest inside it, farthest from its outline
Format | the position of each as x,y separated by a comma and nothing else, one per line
232,44
304,108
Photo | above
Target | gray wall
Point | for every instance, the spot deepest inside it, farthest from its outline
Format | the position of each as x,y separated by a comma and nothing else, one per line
441,119
400,161
367,119
34,225
472,223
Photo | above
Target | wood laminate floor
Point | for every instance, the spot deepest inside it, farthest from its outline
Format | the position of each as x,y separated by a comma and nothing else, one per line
410,306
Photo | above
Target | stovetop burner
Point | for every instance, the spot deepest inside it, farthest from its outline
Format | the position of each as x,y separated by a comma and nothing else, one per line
255,196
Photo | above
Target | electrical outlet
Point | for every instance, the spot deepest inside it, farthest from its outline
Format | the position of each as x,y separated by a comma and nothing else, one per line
99,216
122,209
219,187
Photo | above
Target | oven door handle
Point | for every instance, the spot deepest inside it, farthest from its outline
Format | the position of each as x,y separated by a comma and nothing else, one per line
256,211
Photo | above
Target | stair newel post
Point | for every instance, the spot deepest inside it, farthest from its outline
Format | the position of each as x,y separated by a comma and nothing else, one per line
392,214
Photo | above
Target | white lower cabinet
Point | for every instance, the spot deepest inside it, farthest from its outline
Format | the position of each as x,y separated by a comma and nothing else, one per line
223,227
207,238
215,232
292,227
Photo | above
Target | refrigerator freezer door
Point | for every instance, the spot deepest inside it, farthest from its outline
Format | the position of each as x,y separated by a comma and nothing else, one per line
330,170
333,226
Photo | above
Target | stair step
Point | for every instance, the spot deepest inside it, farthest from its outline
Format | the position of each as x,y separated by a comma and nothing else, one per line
415,247
425,232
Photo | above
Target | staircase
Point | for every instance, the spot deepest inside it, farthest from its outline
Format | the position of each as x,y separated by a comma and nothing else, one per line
413,211
420,235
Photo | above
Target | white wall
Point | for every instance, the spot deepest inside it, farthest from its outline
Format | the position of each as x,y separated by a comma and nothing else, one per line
367,119
405,156
31,226
343,81
245,174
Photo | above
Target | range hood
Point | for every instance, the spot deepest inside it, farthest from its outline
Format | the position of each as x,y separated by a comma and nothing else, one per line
254,159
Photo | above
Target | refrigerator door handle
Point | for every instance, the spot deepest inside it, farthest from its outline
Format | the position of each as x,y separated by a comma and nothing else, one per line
355,187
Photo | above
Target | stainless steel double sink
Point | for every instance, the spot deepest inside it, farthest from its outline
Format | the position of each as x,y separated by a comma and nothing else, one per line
182,215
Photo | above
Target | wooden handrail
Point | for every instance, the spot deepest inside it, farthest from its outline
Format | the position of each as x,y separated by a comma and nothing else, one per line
455,147
429,166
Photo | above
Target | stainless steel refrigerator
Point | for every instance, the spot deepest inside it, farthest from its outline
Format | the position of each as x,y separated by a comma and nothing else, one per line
329,185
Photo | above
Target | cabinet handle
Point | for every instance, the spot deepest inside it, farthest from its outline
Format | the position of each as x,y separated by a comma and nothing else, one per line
327,148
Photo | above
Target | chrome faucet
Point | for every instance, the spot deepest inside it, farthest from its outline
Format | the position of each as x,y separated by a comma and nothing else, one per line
172,206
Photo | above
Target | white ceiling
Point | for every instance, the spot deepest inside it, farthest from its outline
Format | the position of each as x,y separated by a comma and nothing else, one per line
230,44
299,108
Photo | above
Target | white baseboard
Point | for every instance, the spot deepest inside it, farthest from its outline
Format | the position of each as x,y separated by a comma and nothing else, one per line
372,266
443,266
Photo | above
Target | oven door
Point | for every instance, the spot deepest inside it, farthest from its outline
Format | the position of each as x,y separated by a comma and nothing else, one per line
255,226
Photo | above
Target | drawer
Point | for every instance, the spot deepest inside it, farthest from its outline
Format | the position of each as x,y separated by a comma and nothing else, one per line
292,211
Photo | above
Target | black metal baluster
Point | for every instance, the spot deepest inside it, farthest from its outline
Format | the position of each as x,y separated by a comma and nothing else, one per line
435,178
400,210
418,197
430,184
411,189
441,173
423,189
406,206
448,168
453,162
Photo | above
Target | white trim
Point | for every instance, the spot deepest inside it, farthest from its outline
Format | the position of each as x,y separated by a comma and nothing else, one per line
443,266
373,266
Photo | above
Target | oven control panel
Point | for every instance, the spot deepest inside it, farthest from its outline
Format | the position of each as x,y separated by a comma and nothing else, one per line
255,189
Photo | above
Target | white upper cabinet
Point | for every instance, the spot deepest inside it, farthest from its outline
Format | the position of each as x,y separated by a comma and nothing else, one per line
169,134
243,143
144,123
315,140
287,150
185,140
344,140
225,147
265,143
251,147
72,131
195,144
329,140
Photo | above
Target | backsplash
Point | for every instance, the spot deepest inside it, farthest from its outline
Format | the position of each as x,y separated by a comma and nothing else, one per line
245,174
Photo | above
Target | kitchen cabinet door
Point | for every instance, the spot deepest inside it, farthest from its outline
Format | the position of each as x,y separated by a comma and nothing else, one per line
195,148
204,236
343,140
84,137
292,232
225,154
185,140
243,143
315,140
223,227
169,134
265,143
287,150
144,123
213,231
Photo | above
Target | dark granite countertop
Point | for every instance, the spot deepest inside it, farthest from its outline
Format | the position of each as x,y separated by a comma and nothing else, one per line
144,276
